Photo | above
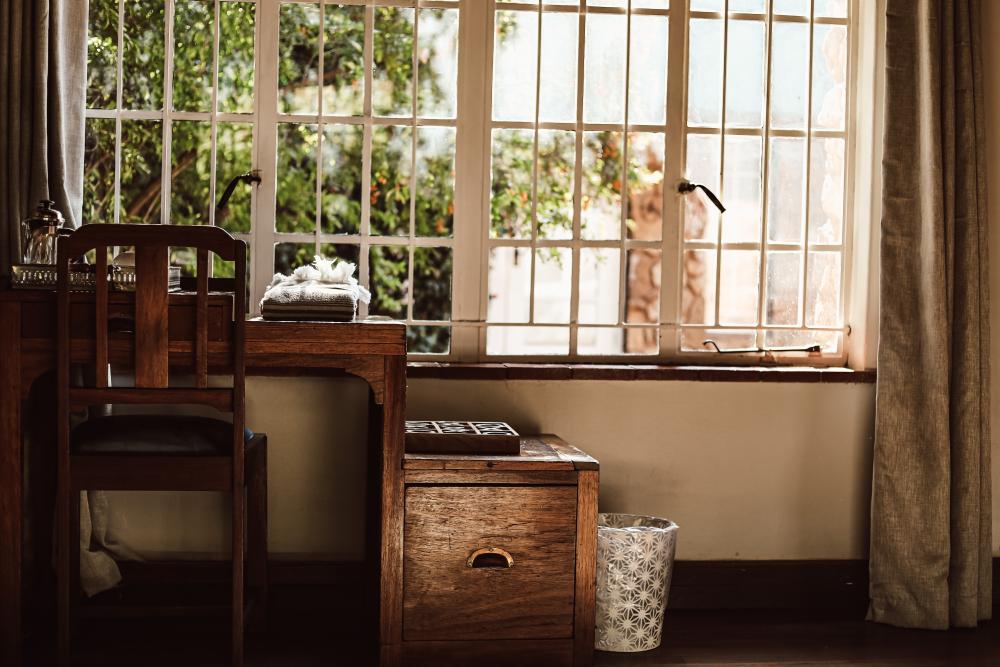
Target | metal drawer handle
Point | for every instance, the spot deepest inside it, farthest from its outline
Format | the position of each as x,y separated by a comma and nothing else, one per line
493,558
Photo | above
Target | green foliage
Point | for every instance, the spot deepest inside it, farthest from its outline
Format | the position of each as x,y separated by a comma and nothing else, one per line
399,195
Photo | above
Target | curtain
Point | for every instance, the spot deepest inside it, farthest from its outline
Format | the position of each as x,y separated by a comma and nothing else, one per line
930,524
43,81
43,78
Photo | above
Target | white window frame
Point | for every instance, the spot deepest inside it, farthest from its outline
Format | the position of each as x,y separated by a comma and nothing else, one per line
470,242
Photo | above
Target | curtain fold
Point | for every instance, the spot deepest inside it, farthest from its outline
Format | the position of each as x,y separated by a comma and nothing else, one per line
931,499
43,78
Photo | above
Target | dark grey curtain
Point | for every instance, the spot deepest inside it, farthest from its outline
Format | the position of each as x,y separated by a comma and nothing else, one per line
930,541
43,68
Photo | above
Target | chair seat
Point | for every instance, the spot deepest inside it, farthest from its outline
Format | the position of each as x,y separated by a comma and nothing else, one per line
168,435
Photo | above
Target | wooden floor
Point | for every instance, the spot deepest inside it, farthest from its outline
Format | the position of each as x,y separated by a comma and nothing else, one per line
691,638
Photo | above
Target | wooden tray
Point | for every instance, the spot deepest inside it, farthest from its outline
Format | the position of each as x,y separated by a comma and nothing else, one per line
458,437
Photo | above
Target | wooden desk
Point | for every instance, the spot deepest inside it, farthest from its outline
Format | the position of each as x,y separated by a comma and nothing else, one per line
372,351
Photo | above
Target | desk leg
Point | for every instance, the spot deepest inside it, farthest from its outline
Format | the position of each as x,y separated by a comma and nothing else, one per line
10,483
391,607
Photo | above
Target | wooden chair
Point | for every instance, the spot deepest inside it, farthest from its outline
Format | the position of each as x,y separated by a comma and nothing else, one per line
149,452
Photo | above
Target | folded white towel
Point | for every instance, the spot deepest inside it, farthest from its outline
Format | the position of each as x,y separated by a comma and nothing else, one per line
324,283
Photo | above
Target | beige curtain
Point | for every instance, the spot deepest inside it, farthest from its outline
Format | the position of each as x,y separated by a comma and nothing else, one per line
930,540
43,75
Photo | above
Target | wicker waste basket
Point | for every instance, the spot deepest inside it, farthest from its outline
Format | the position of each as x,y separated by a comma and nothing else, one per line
635,558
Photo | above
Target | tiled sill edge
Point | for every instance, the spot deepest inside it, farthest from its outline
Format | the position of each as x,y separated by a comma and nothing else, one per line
449,371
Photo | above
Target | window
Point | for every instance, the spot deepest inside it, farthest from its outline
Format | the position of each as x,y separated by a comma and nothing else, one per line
504,173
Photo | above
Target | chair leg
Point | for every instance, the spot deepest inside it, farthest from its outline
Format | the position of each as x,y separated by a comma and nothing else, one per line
239,552
74,559
257,532
64,537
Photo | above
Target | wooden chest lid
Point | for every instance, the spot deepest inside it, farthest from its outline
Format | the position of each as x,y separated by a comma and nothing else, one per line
538,452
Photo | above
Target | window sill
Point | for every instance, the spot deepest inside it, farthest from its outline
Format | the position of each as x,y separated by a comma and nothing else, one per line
627,372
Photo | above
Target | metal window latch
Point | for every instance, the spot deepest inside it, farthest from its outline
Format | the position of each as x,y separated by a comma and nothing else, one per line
249,177
685,187
811,349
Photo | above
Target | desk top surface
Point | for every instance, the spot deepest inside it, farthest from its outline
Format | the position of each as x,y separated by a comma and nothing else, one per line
310,338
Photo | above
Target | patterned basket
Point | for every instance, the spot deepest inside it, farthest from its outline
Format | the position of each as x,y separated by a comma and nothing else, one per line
635,558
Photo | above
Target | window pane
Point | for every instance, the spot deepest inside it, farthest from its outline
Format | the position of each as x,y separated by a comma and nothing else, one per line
99,171
600,341
194,28
392,69
645,185
829,341
142,58
553,284
290,256
298,75
557,92
823,293
509,285
745,74
604,80
829,76
705,72
784,271
432,283
428,340
515,55
786,190
832,8
234,156
236,48
792,7
296,192
341,195
826,191
524,341
693,340
742,189
435,181
347,252
601,202
102,54
642,305
554,196
390,288
392,156
343,60
648,70
789,75
438,63
754,6
600,277
191,169
740,285
141,176
698,297
701,217
513,166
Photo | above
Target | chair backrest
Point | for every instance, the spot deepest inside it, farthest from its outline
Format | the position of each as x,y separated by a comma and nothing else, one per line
150,336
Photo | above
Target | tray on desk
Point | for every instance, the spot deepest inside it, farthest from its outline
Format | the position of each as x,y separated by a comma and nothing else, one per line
462,437
82,277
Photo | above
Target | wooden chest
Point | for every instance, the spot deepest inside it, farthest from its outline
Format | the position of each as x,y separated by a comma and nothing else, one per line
499,557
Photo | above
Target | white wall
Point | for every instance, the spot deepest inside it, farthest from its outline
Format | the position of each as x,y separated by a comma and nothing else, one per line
754,471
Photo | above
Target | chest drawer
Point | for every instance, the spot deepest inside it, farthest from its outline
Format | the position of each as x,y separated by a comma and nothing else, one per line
489,562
